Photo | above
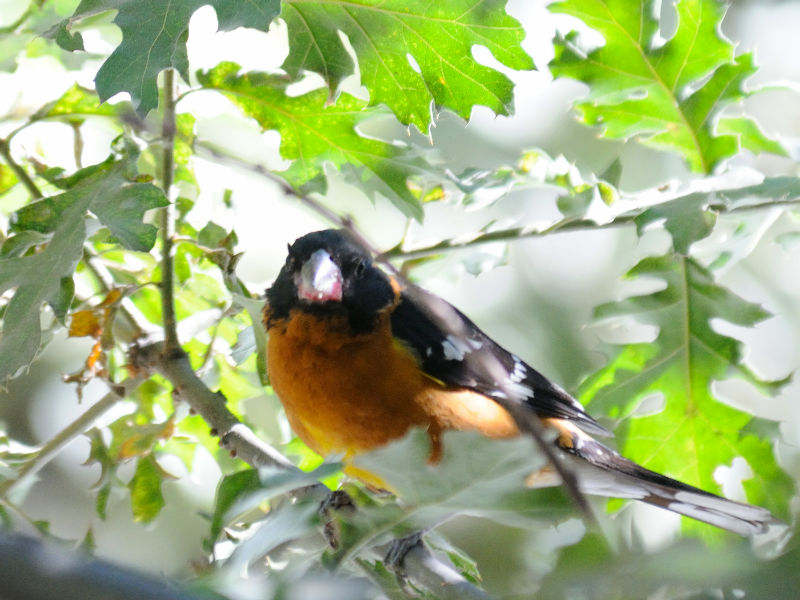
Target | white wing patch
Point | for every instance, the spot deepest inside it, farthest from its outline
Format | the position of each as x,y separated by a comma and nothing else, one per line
456,348
513,384
519,372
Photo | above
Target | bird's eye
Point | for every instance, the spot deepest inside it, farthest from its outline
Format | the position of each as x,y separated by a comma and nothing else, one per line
291,262
359,267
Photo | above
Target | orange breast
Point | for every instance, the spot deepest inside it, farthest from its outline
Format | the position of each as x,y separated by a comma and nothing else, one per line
346,394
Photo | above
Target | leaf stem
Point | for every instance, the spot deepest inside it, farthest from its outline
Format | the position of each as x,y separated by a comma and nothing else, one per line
167,225
5,152
105,281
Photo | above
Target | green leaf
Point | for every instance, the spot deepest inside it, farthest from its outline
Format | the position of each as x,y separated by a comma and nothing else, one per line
314,133
107,192
750,135
100,454
687,219
695,432
77,101
7,179
483,476
40,277
147,500
669,96
410,52
154,35
692,217
231,488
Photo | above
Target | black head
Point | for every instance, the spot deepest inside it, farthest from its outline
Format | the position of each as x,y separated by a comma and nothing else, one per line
326,272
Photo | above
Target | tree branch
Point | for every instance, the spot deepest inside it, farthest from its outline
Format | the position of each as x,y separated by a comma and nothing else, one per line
22,175
35,571
234,435
167,225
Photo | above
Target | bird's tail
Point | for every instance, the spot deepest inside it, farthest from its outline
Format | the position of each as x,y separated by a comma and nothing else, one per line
602,471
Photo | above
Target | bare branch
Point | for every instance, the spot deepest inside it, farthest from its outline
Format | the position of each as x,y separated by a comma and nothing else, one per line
234,435
167,225
22,175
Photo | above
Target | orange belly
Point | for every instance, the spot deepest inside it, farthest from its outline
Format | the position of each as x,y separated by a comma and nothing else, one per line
346,395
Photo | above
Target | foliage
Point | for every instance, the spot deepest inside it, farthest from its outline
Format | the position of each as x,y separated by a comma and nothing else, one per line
672,94
87,252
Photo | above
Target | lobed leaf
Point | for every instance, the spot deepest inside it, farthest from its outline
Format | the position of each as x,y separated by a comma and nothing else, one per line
695,432
410,53
692,217
46,276
314,133
154,35
669,96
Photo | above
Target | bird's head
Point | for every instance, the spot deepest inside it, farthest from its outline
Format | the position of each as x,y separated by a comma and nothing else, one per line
327,272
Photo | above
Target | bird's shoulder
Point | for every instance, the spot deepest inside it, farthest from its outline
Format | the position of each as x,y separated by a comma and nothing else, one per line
455,351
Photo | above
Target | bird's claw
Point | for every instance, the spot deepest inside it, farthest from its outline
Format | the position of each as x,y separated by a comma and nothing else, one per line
335,501
398,550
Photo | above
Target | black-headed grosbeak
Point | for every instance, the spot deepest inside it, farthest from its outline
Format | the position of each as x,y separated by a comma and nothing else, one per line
357,359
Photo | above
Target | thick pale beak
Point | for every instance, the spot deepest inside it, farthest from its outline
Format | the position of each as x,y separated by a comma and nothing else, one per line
320,280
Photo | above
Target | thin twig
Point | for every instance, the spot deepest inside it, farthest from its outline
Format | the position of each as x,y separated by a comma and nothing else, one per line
106,283
167,226
505,235
78,427
22,175
525,232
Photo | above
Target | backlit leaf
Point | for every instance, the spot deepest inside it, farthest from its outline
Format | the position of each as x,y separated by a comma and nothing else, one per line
668,95
314,133
695,432
411,53
147,499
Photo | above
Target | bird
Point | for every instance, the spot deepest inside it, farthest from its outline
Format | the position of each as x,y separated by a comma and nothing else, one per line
358,357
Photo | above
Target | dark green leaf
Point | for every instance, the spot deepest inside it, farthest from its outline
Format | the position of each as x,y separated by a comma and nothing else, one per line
230,490
38,278
18,244
99,453
411,53
154,37
313,133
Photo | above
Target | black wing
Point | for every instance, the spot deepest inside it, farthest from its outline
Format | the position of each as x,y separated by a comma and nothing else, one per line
453,350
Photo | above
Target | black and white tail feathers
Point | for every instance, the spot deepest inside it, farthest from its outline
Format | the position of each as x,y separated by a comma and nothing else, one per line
602,471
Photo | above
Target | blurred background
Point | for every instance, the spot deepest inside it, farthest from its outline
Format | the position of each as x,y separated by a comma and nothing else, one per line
534,296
